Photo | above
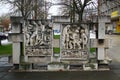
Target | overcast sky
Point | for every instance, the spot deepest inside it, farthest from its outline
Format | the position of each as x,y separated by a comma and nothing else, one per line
4,9
54,10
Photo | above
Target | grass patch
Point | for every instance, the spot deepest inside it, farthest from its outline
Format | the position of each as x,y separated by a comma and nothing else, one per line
92,50
56,36
56,50
6,49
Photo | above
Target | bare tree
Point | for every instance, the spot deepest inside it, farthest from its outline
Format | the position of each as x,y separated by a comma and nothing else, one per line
76,7
26,8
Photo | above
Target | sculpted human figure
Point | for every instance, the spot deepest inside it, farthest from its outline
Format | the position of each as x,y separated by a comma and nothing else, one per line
39,33
28,32
66,36
84,38
34,33
76,39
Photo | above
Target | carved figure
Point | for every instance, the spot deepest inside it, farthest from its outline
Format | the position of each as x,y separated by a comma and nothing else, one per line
66,36
76,39
37,38
84,38
34,34
74,42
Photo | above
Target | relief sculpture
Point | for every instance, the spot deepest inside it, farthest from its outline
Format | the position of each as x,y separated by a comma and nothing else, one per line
74,42
37,38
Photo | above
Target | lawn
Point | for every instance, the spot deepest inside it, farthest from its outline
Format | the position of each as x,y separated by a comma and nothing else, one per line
56,50
6,49
56,36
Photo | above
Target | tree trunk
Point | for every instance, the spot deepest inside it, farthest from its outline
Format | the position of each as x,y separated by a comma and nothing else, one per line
80,19
35,10
80,16
73,12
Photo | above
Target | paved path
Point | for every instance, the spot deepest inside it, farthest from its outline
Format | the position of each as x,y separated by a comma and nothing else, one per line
114,50
84,75
114,53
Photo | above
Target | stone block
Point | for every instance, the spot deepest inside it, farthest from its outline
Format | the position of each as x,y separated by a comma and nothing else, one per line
16,28
55,58
16,19
95,43
39,59
57,66
101,54
61,19
56,43
104,18
16,53
101,30
90,66
16,37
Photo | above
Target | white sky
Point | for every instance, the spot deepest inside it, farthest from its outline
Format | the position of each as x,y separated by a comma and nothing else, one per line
4,9
54,10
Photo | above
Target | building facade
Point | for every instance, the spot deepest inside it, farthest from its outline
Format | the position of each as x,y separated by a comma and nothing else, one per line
111,8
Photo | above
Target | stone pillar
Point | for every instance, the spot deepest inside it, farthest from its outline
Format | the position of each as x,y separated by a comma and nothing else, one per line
57,26
56,42
17,38
16,53
101,37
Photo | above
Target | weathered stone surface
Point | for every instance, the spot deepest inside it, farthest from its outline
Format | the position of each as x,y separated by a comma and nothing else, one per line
95,44
56,43
16,37
74,42
38,38
16,53
39,59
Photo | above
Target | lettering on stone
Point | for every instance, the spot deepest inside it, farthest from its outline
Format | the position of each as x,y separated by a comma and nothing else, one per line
38,38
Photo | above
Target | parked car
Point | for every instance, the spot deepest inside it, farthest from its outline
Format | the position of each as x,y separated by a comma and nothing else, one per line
109,32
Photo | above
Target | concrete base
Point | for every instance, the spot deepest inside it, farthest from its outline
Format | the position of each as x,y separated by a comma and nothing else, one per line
57,67
16,66
90,66
55,59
